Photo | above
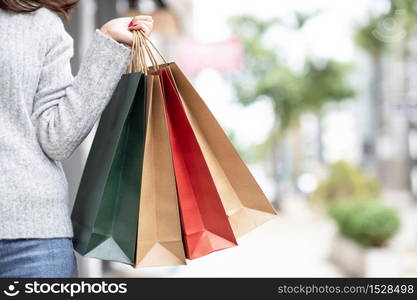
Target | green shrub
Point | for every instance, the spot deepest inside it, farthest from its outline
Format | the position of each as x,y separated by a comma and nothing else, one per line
369,223
344,182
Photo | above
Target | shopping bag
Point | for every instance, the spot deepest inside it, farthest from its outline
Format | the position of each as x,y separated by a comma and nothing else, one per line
159,239
244,202
204,221
205,225
105,212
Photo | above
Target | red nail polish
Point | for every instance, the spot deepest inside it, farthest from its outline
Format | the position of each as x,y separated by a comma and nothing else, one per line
131,24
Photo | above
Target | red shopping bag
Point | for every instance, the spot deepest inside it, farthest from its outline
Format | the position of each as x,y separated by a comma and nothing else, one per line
204,221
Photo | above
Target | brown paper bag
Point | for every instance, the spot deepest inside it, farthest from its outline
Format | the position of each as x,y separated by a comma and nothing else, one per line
159,241
244,202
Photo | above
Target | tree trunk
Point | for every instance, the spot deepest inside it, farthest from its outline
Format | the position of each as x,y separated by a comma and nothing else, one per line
408,161
377,104
320,146
275,164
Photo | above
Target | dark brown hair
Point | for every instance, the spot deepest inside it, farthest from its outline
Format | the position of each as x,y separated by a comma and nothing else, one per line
63,7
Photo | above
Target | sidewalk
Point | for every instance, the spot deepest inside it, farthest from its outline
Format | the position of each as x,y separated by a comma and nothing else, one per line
295,244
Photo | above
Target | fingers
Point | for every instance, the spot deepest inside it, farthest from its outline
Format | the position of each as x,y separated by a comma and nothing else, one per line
146,27
144,23
141,19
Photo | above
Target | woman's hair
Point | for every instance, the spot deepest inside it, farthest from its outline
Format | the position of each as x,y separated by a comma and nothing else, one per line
62,7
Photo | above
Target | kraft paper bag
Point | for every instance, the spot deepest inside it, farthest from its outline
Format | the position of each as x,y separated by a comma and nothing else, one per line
244,202
204,221
159,239
105,212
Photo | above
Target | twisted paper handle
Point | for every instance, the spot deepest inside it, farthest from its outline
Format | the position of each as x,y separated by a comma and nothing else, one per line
140,51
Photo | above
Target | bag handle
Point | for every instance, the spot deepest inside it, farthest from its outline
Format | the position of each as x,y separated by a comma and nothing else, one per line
141,48
137,58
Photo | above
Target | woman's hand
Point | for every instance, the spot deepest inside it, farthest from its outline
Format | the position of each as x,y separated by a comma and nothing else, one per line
120,29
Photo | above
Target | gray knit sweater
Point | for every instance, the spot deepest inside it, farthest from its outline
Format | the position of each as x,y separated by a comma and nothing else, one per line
45,113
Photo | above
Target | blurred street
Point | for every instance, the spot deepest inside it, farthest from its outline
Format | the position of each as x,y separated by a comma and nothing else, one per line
295,244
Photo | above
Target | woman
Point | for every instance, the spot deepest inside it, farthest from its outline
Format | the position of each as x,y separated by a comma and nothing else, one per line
45,113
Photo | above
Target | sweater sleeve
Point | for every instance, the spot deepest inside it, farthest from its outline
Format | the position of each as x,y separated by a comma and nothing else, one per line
65,107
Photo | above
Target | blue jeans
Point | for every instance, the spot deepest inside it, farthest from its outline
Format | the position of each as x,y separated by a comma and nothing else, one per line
50,257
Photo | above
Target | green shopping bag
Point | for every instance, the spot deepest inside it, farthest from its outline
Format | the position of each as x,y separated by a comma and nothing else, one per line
105,213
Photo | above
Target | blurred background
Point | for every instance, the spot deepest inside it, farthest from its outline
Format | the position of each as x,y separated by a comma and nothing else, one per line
320,99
